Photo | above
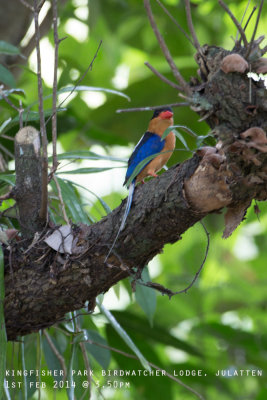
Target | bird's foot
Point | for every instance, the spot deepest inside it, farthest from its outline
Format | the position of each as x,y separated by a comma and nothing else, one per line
153,174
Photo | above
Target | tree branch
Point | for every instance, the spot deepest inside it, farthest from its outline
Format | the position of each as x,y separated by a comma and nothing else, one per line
43,206
28,187
237,24
175,22
255,30
191,26
162,77
165,49
54,106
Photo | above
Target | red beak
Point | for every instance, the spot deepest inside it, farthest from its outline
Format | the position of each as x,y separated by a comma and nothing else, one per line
165,114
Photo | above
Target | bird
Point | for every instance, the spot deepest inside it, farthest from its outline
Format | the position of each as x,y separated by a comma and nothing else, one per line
150,144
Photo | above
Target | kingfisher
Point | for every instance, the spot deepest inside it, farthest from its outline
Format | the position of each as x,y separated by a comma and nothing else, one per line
150,143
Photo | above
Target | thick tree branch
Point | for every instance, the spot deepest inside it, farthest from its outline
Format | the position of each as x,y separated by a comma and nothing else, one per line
58,283
28,180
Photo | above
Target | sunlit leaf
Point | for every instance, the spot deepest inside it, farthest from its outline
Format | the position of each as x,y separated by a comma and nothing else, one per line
102,202
70,89
85,155
92,89
86,170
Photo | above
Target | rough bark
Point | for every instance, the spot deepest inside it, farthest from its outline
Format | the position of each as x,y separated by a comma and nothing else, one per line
28,191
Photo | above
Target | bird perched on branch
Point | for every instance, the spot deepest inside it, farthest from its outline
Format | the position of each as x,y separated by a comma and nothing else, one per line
150,144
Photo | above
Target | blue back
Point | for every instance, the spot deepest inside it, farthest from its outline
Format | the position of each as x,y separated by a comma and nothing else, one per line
149,144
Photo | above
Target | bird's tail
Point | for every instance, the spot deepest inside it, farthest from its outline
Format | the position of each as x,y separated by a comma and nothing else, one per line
125,215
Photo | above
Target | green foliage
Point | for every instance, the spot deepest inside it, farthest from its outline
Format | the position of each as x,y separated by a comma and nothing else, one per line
220,324
3,338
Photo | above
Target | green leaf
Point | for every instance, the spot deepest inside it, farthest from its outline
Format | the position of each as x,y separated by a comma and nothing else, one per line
201,139
124,335
90,89
4,124
7,48
181,138
3,337
85,155
86,170
7,394
30,116
25,379
8,178
71,388
50,358
140,325
70,89
146,297
101,354
12,91
71,200
103,203
171,128
6,77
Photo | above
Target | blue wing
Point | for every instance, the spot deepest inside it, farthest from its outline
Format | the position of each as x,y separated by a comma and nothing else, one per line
149,144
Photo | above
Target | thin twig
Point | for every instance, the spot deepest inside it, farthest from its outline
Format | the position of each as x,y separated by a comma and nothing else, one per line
57,353
6,151
237,24
20,115
43,208
169,292
202,264
165,49
242,19
132,356
66,219
54,107
26,4
249,18
246,24
255,30
7,137
191,26
8,195
7,100
175,22
162,77
40,5
250,86
149,108
89,68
